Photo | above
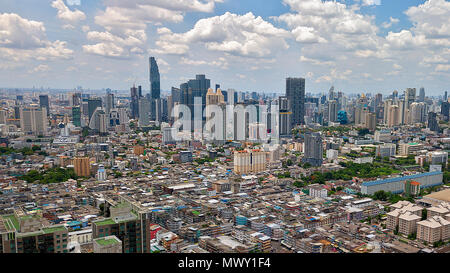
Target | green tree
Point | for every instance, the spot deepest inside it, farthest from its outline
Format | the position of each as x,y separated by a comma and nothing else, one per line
424,214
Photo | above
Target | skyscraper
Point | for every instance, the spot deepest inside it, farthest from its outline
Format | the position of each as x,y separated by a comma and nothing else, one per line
285,117
155,85
34,120
44,102
76,116
144,112
93,104
445,110
332,111
313,149
432,122
295,92
134,105
109,104
422,95
195,88
155,90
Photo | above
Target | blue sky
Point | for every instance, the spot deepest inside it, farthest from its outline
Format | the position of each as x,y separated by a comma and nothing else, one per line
248,45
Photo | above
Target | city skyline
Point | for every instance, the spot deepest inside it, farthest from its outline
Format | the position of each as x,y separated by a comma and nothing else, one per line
357,46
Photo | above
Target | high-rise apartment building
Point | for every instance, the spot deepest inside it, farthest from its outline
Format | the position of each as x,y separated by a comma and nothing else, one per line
82,166
332,111
34,120
249,161
129,224
313,149
144,112
295,92
109,103
27,233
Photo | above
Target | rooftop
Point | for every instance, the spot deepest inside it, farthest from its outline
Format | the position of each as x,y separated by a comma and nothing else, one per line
398,179
53,229
105,222
107,241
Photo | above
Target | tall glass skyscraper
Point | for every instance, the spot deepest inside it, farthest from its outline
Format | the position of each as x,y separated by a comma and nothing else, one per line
295,92
44,102
155,85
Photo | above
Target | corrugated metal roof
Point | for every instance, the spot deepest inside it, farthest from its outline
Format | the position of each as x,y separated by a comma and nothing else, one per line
397,179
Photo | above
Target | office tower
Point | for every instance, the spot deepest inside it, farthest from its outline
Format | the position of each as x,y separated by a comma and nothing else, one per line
82,166
176,95
285,116
44,102
21,232
155,90
34,120
76,116
192,89
332,111
421,95
109,104
144,112
313,149
445,96
134,105
217,87
295,92
99,121
432,122
93,104
445,110
155,85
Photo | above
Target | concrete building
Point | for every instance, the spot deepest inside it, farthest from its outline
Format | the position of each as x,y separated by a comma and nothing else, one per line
33,120
410,148
397,185
249,161
433,229
82,166
109,244
313,149
404,216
